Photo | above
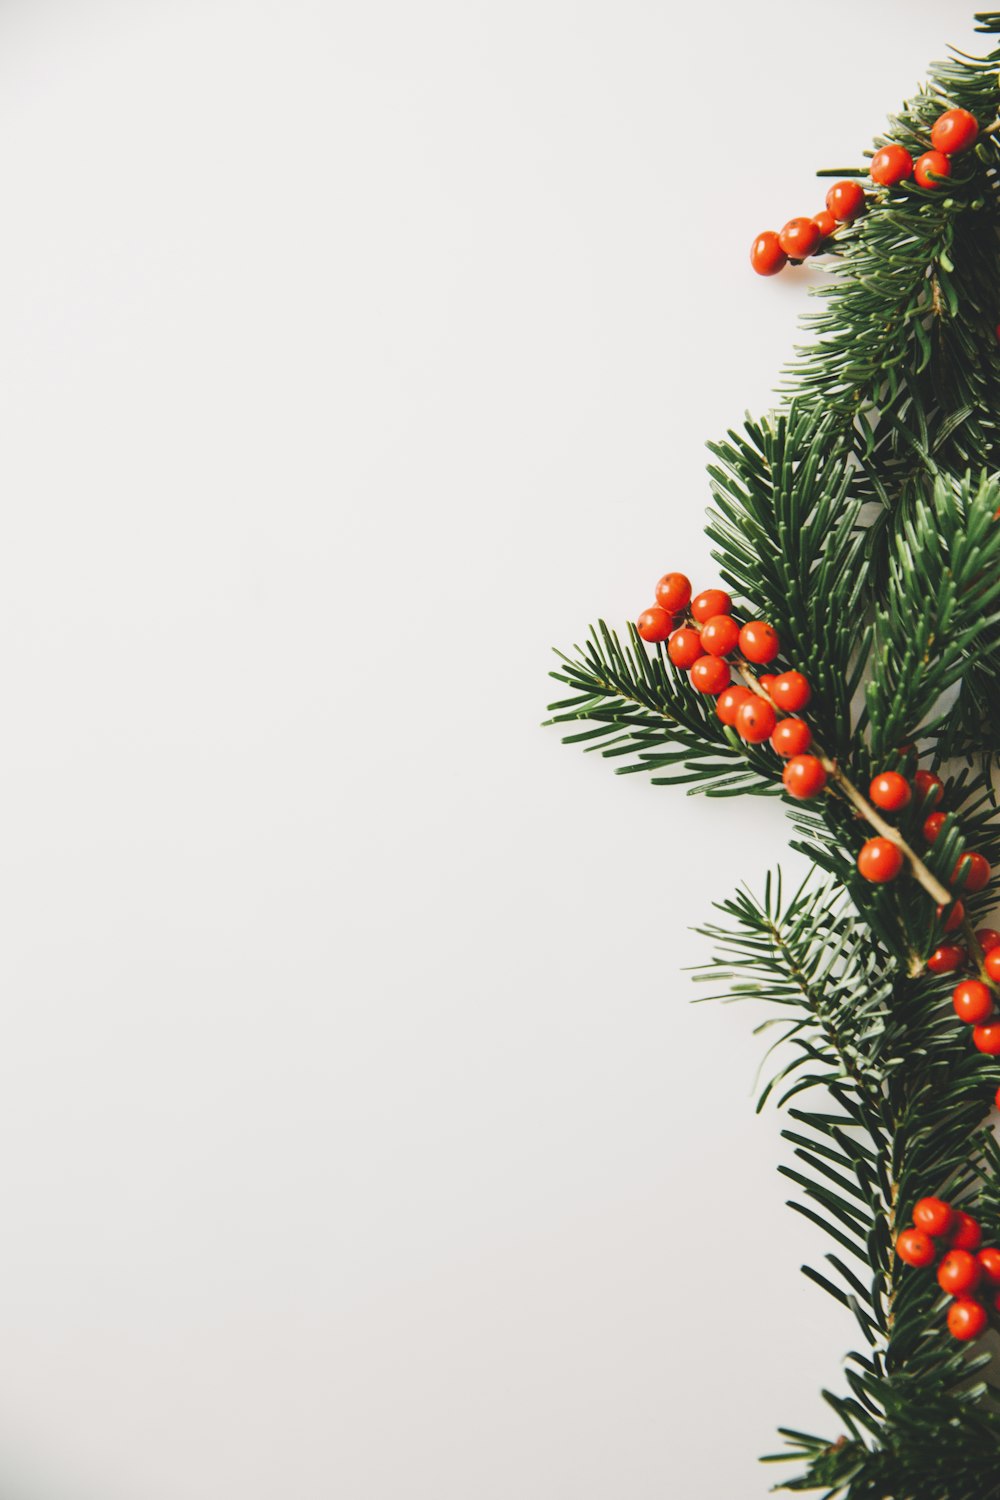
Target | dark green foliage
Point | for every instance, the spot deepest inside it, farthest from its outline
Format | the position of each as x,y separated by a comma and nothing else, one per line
859,520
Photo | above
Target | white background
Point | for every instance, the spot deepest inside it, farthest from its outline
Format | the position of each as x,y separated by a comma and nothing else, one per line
358,1138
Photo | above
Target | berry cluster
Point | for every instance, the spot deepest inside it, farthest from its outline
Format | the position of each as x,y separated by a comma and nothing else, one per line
701,637
968,1271
952,132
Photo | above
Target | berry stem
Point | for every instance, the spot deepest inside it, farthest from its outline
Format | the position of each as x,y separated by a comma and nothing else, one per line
941,895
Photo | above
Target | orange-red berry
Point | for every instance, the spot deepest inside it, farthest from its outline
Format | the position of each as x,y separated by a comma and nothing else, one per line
799,238
710,674
673,592
825,223
959,1272
804,777
988,938
986,1038
946,959
928,787
974,869
759,642
755,720
991,963
654,624
880,860
973,1001
966,1233
954,915
967,1319
890,791
791,737
891,165
766,255
934,1216
989,1261
954,131
729,701
719,635
933,823
790,692
845,200
684,647
930,167
915,1247
710,602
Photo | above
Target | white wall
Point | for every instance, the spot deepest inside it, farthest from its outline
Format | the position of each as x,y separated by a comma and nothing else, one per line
357,1136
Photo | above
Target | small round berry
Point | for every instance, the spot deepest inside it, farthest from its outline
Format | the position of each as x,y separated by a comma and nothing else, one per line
890,791
933,823
991,963
759,642
799,238
989,1261
954,131
804,777
767,681
973,1001
915,1248
929,168
946,959
880,860
928,787
996,1099
673,592
684,647
755,720
825,223
988,938
766,255
967,1319
790,692
959,1272
791,737
710,674
933,1216
654,624
845,200
729,701
719,635
986,1039
975,870
954,915
891,165
966,1233
710,602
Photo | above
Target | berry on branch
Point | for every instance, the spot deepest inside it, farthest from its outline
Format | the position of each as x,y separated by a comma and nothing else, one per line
791,737
710,602
799,238
915,1248
759,642
959,1272
972,1000
673,592
967,1319
710,674
766,255
934,1216
845,200
684,647
954,131
804,777
654,624
880,860
890,791
790,691
719,635
755,720
891,165
930,168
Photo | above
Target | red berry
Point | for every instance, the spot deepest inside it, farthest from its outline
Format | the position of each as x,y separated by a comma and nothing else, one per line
915,1247
988,938
719,635
845,200
755,720
791,737
991,963
954,131
684,647
891,165
933,1216
954,915
986,1038
766,255
804,777
825,223
673,592
975,869
996,1099
959,1272
799,238
790,692
946,959
710,674
989,1261
933,823
710,602
890,791
767,681
967,1319
654,624
966,1233
759,642
973,1001
880,860
729,701
929,167
928,787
